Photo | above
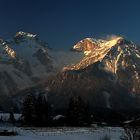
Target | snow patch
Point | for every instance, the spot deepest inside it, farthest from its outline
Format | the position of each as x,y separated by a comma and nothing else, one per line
107,97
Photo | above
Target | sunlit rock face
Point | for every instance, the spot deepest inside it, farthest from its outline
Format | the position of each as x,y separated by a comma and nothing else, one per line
5,51
94,50
86,45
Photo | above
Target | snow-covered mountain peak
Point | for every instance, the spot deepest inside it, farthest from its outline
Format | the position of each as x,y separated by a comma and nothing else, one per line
108,52
25,35
88,45
24,61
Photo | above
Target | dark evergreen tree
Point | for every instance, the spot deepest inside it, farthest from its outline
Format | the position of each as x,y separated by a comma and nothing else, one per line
11,117
47,111
39,110
87,113
78,113
42,111
28,113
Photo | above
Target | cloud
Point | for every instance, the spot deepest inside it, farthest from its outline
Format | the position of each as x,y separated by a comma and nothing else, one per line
110,37
66,58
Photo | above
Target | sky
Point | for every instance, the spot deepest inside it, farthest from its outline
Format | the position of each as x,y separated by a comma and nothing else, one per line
62,23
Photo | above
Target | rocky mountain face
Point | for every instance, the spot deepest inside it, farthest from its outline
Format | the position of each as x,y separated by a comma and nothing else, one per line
24,62
108,76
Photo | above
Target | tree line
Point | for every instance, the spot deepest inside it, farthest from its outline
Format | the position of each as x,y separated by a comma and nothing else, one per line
38,112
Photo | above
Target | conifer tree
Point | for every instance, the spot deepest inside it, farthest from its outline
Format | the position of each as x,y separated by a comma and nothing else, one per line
11,117
78,113
28,113
41,109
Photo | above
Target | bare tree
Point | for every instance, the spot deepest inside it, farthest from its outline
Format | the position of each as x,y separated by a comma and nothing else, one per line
131,133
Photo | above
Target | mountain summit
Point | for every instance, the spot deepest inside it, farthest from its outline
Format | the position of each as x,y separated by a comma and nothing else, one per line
94,50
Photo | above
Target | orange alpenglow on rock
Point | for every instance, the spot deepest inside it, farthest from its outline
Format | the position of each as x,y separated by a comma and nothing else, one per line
94,50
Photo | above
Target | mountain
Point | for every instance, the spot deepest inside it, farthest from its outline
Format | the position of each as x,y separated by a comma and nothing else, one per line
107,76
24,62
117,56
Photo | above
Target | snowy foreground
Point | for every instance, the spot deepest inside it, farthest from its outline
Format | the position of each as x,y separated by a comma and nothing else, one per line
63,133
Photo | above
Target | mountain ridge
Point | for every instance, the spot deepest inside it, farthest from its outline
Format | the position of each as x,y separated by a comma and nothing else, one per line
112,79
104,71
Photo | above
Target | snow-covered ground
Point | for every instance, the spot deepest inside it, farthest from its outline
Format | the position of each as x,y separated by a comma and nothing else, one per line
63,133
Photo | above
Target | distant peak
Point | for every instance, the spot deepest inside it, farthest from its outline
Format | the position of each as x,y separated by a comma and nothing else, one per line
24,34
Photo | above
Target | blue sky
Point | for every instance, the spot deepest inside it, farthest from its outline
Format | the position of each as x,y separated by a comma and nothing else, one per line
62,23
